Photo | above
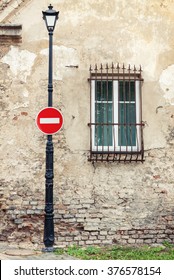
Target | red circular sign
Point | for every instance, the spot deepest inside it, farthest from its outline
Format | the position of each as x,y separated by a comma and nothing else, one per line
49,120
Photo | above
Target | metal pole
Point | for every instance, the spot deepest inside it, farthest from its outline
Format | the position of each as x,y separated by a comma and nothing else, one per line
49,175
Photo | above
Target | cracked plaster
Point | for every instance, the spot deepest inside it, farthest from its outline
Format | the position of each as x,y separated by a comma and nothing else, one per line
167,84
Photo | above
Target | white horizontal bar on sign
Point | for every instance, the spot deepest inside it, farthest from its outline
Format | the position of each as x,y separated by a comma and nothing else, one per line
49,120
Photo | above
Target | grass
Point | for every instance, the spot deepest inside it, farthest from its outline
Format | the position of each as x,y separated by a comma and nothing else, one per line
164,252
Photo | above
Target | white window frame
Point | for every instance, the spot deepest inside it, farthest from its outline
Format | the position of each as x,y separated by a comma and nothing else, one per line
116,148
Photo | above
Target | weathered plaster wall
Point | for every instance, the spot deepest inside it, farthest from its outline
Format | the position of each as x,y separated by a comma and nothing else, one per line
100,203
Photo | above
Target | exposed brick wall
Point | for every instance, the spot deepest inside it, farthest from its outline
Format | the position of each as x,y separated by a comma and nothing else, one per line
26,225
90,221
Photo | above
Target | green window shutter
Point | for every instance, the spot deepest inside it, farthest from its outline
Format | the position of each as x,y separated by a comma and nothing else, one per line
103,113
127,114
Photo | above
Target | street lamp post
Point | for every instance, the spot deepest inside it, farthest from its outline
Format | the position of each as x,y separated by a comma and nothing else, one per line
50,16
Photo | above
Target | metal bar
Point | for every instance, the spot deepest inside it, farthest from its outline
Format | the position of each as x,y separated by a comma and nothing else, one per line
141,130
119,128
129,111
136,105
113,108
49,175
50,71
107,94
117,152
116,76
119,160
125,113
102,96
139,124
90,70
96,127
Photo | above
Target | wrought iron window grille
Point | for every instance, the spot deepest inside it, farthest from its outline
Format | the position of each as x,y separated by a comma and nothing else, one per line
116,126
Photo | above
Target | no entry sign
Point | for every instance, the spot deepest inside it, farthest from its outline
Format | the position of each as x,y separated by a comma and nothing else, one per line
49,120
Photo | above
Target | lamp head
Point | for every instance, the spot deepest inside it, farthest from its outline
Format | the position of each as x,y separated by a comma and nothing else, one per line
50,17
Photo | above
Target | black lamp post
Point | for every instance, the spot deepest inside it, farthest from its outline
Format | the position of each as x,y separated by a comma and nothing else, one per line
50,16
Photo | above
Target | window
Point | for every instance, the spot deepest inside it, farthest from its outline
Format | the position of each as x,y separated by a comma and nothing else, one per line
116,123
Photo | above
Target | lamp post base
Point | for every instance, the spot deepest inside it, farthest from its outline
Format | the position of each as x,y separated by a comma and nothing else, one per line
48,250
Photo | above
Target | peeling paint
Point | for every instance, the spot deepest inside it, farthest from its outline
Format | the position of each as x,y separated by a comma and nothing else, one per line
20,62
22,105
63,57
25,93
166,82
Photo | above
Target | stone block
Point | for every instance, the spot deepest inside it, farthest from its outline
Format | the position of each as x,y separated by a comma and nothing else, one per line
33,202
26,202
101,237
153,232
103,233
111,232
94,233
159,241
63,233
84,237
168,231
134,236
161,236
86,205
30,212
91,228
131,241
69,239
146,236
68,216
77,238
18,221
61,238
89,242
139,241
131,232
61,244
148,241
85,233
107,242
124,237
86,201
80,220
93,237
71,220
96,242
124,242
61,212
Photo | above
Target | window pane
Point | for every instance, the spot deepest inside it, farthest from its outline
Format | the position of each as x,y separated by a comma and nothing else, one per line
127,128
50,20
103,112
103,131
103,91
126,91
